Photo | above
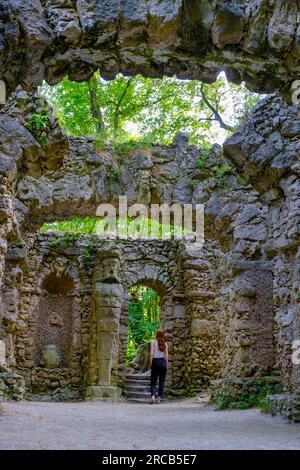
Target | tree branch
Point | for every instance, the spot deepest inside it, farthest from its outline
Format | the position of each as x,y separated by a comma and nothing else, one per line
215,112
118,107
145,105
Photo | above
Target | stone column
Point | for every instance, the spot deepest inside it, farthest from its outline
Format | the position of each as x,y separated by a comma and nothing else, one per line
2,353
107,304
296,325
203,335
123,334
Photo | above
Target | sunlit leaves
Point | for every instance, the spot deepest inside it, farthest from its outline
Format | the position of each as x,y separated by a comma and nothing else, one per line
150,109
75,225
145,227
143,318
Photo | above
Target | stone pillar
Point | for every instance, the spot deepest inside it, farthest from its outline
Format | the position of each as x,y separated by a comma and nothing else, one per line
108,302
167,324
177,351
123,336
2,353
107,305
296,323
202,340
3,249
2,92
13,280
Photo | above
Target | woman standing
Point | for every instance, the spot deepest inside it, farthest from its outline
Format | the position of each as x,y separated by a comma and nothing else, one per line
159,365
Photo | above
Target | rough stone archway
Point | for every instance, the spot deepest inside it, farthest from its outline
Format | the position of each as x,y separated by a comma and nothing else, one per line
172,309
244,225
257,42
252,223
47,261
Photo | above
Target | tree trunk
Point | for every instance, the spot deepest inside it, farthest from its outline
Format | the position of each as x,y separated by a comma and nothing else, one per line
119,107
95,108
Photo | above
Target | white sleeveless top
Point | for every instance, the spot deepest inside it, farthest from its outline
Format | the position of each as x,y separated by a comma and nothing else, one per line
156,353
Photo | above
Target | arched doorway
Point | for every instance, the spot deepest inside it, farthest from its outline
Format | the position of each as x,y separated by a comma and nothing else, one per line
143,322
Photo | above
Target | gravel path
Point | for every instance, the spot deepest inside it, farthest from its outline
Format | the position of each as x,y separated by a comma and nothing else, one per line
175,425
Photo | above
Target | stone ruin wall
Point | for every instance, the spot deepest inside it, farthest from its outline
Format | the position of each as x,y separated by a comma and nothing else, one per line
192,326
253,41
254,216
273,168
46,309
228,309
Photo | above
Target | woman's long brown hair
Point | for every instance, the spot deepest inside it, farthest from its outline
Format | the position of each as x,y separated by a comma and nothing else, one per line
161,340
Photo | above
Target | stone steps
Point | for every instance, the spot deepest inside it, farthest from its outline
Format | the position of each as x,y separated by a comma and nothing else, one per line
138,377
137,383
137,388
131,394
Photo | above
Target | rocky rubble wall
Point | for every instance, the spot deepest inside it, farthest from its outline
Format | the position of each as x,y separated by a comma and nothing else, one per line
255,41
56,274
266,154
251,213
203,328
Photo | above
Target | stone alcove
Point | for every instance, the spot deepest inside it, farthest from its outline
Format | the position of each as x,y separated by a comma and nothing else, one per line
55,321
53,360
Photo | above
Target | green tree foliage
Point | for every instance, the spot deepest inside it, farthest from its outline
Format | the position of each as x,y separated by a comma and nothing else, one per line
143,318
98,225
75,225
39,125
153,110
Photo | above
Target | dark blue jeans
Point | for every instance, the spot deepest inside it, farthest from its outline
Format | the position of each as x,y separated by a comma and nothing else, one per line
158,371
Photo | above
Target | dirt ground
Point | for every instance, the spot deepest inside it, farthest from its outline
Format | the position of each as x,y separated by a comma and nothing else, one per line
109,426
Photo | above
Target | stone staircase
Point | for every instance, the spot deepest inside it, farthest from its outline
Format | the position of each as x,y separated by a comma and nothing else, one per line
137,387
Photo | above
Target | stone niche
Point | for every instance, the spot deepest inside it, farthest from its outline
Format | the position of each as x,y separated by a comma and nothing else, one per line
255,289
55,321
250,337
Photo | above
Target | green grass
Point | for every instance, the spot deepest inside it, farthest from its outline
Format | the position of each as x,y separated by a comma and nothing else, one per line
126,148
